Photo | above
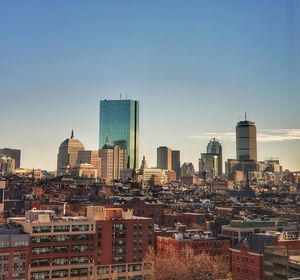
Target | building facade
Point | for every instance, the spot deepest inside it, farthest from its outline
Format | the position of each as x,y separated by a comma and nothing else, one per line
107,243
113,161
13,253
91,157
176,163
119,124
214,147
68,154
164,158
246,142
247,257
208,166
7,165
12,153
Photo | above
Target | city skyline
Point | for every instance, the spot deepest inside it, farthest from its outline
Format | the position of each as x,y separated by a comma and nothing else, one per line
195,70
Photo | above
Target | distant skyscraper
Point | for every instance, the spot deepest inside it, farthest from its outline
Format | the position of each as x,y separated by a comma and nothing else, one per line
176,163
214,147
246,143
67,154
208,165
164,158
119,124
7,165
12,153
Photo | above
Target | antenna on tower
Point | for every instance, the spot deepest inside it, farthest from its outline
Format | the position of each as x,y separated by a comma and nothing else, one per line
120,96
245,115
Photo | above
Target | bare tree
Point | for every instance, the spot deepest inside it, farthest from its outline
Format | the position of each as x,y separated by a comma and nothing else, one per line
186,265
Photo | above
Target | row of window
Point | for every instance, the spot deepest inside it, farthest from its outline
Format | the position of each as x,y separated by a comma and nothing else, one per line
63,273
61,238
62,228
16,243
60,261
62,249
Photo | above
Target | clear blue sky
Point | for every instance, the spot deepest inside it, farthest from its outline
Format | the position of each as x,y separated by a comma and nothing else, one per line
194,65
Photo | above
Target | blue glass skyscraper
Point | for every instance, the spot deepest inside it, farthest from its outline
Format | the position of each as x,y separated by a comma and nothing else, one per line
119,125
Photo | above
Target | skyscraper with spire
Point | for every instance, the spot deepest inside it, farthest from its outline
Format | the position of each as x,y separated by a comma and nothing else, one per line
119,125
67,154
246,142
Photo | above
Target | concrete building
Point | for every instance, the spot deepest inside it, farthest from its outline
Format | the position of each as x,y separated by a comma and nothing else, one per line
187,168
91,157
85,170
68,154
239,228
146,174
14,247
281,262
7,165
164,158
113,161
15,154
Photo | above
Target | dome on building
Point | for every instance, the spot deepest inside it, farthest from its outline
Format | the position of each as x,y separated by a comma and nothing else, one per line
214,147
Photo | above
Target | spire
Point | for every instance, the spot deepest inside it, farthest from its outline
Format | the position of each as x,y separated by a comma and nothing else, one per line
72,134
245,115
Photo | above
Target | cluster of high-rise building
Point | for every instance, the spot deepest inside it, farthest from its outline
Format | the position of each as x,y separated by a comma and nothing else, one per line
102,211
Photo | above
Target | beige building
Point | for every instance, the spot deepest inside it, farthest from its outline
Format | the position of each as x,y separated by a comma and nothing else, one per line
113,161
91,157
84,170
68,154
149,173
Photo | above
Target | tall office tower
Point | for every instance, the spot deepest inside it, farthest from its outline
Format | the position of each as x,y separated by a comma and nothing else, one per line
12,153
246,143
67,155
113,161
119,123
208,165
91,157
164,158
214,147
176,163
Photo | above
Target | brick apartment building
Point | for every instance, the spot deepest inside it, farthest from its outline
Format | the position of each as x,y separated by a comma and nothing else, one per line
200,244
266,256
247,256
104,244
